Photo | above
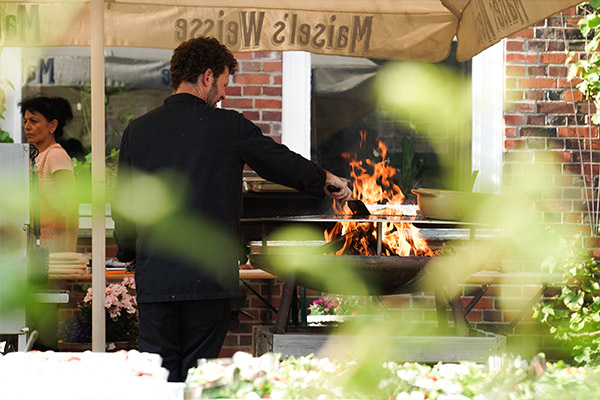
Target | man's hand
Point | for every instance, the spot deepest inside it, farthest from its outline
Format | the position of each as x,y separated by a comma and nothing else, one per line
337,187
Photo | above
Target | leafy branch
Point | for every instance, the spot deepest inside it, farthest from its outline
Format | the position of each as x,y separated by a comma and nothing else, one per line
4,135
587,67
573,316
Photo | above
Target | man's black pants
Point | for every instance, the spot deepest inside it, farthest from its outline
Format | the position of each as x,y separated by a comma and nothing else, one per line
183,332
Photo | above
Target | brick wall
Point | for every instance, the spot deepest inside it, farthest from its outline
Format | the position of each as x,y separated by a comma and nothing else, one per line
256,90
546,119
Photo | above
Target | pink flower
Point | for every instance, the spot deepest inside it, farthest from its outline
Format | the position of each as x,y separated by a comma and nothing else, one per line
117,298
129,281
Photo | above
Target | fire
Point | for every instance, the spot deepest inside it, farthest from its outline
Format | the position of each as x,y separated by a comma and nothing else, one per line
398,238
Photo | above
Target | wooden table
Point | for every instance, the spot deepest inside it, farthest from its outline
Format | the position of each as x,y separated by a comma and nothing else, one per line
119,275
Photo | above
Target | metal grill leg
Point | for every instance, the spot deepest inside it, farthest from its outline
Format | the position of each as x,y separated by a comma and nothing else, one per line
289,289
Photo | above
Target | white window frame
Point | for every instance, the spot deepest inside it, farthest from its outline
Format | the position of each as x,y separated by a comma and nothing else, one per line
487,142
295,108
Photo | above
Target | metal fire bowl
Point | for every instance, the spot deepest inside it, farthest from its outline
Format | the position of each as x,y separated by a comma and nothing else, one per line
382,275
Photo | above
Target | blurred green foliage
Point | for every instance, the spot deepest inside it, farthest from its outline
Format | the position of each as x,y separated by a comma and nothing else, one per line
83,175
504,378
16,292
573,315
159,203
5,137
435,101
587,67
408,172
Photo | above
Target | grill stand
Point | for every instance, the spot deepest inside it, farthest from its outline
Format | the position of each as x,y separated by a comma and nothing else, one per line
289,298
289,303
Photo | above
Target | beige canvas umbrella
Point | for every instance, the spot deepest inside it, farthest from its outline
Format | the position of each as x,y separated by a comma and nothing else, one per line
420,30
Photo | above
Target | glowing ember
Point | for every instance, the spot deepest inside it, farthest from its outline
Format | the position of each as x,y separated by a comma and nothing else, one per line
398,238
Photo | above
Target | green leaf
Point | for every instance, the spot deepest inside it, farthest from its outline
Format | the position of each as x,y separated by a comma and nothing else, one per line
596,118
574,300
5,137
548,309
593,21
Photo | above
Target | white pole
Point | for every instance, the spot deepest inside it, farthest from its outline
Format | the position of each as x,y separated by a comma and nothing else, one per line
488,125
98,176
295,118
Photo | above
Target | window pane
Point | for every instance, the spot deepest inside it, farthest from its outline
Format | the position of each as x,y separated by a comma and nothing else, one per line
344,104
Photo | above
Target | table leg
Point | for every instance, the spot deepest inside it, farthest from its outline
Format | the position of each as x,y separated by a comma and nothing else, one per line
527,309
475,299
261,298
460,323
440,306
459,317
294,309
303,316
288,291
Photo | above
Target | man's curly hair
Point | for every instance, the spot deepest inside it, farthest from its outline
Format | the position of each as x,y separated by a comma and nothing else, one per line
193,57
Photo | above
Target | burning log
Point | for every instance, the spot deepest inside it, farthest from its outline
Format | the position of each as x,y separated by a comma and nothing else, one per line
398,239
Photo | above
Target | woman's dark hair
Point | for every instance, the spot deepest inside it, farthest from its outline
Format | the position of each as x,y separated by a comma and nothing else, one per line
52,108
193,57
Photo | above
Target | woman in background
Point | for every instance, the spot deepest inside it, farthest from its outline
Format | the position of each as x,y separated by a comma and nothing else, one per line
44,119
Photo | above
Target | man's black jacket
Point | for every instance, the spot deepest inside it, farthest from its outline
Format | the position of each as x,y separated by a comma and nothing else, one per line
203,151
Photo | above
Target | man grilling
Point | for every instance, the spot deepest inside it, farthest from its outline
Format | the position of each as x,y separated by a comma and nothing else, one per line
184,308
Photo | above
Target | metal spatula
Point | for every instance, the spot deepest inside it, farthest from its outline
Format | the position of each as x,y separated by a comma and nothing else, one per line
358,208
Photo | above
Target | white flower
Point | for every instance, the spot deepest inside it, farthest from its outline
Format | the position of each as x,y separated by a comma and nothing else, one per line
268,362
278,394
417,395
210,372
326,365
449,386
247,365
279,386
408,375
425,383
449,371
452,397
242,359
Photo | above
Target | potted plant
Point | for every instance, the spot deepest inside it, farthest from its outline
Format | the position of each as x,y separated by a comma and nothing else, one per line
75,334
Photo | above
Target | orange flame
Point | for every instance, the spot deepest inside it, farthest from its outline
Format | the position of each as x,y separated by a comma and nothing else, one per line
398,238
